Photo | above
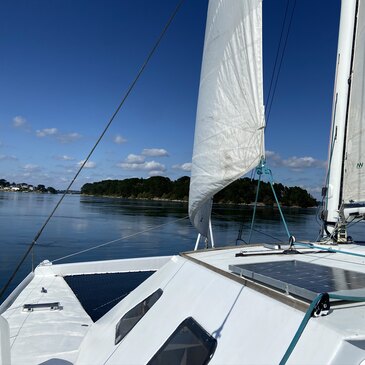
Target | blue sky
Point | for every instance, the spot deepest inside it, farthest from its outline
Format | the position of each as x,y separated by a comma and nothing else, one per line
65,65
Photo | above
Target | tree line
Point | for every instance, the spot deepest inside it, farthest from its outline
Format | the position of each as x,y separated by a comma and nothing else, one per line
241,191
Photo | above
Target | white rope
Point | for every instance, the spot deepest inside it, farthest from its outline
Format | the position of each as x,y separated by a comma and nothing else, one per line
116,240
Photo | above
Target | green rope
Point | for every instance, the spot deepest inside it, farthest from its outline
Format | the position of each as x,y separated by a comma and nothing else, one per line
347,298
278,204
262,169
303,324
329,249
307,317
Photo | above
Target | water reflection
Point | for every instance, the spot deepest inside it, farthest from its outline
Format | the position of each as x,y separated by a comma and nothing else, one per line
83,222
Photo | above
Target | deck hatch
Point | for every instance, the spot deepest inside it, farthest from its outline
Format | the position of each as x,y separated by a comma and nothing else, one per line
189,344
134,315
300,278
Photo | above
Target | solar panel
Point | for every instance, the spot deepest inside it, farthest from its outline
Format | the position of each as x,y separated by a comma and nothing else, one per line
300,278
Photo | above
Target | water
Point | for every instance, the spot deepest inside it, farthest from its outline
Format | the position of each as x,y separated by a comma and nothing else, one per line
84,222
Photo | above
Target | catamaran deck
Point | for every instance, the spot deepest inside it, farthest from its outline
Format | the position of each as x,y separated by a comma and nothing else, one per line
55,324
253,311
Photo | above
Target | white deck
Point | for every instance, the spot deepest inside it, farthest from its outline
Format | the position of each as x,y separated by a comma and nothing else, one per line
222,258
45,334
55,335
252,324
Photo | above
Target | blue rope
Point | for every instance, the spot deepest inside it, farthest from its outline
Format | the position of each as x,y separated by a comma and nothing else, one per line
329,249
307,317
262,169
278,204
347,298
301,328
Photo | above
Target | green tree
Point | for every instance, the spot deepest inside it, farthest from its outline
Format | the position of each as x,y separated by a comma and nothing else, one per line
51,190
41,188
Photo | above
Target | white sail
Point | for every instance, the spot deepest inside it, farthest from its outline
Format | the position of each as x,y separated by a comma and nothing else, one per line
334,189
354,162
229,138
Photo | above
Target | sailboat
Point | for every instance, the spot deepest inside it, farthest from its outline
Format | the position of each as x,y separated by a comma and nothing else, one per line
297,303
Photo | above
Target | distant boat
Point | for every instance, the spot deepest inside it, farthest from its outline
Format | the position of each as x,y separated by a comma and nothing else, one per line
295,303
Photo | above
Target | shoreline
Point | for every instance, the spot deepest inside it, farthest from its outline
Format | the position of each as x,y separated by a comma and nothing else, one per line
259,204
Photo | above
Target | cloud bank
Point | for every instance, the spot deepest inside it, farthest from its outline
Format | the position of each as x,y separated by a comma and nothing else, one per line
294,163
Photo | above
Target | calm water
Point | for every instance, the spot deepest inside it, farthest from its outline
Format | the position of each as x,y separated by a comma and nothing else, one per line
83,222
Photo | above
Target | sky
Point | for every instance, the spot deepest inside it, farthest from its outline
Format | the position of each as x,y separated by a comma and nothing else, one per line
65,65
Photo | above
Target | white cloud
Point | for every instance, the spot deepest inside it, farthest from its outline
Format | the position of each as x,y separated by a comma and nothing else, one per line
64,158
317,190
273,158
8,158
134,159
270,154
155,152
69,137
61,137
30,168
155,173
145,166
302,162
294,163
118,139
19,121
184,166
88,165
153,165
46,132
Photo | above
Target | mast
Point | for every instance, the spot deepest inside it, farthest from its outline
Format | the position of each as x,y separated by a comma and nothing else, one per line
341,97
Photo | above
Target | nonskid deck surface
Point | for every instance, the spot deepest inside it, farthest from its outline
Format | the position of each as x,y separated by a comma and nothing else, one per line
40,335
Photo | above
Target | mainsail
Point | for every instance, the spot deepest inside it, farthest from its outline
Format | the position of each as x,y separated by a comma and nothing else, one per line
229,138
353,189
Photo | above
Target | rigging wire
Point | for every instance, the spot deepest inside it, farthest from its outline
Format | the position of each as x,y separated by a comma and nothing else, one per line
118,239
275,77
280,63
111,301
324,202
255,230
277,53
124,98
337,227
